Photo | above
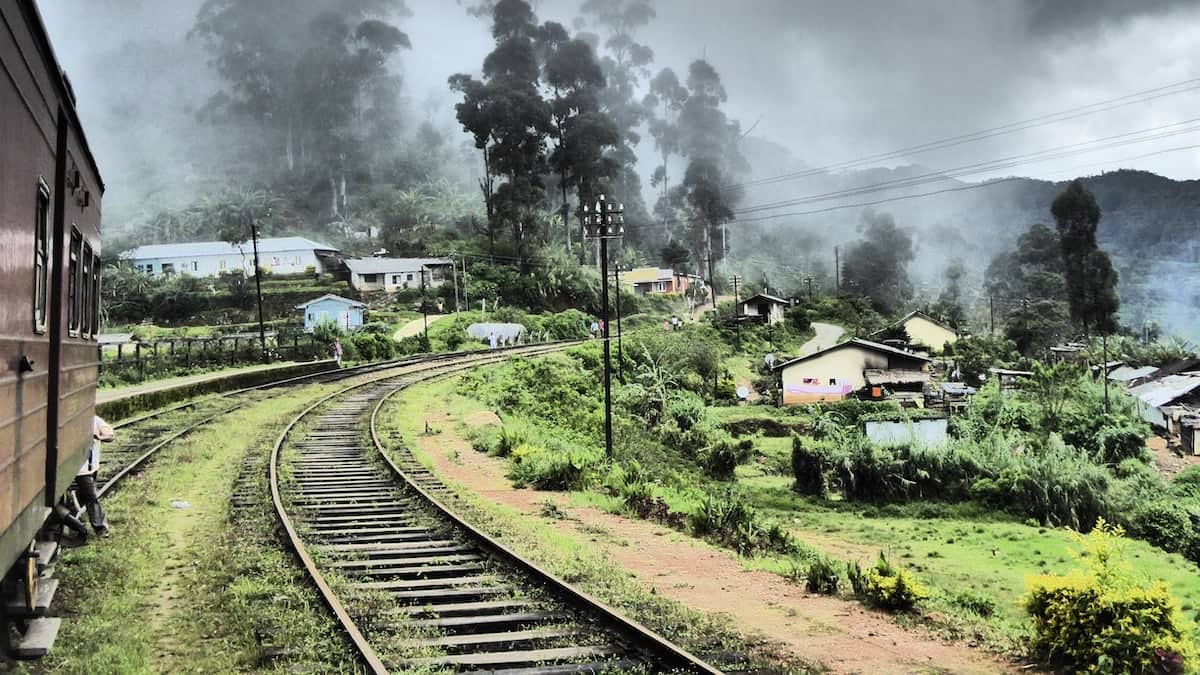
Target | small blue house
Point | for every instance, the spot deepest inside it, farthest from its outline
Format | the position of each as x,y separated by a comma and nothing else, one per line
347,314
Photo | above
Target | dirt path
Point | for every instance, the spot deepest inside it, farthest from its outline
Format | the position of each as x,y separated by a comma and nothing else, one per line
702,309
840,634
416,327
826,336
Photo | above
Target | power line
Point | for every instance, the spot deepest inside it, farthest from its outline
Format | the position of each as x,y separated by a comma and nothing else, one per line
1012,127
1012,161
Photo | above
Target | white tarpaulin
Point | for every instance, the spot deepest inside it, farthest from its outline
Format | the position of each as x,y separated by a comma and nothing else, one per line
506,333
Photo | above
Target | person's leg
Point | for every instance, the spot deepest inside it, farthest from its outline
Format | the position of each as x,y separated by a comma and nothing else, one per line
87,494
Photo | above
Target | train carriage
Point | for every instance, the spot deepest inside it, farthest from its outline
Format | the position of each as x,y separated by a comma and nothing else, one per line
50,191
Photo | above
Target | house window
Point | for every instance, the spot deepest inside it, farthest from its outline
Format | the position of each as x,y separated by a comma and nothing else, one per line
195,265
85,291
370,278
275,261
73,283
833,381
41,257
395,279
95,295
222,263
409,277
168,269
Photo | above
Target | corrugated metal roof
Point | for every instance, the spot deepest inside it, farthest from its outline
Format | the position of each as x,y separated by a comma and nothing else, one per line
1128,373
392,265
331,296
775,299
207,248
1161,392
645,275
857,342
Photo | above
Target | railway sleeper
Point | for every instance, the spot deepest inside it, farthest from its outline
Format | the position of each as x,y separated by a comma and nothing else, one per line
527,658
593,667
407,556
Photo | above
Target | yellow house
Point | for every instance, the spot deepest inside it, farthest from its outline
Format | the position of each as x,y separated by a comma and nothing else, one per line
835,373
926,330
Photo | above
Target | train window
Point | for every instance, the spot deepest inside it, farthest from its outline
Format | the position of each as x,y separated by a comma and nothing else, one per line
95,295
41,256
85,291
73,284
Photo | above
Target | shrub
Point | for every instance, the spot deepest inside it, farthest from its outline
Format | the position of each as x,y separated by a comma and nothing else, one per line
729,520
1164,523
886,586
822,576
811,462
979,605
484,438
721,459
509,438
543,468
1186,483
686,409
1104,618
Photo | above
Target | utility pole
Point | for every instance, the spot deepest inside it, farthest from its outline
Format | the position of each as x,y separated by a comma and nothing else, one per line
454,273
424,307
837,271
466,299
736,280
605,220
991,316
1104,368
262,330
809,281
620,350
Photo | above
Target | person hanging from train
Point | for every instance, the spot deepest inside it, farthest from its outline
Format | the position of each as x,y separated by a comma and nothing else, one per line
85,480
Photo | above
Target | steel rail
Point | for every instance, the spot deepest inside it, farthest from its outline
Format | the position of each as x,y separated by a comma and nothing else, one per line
332,375
641,635
295,542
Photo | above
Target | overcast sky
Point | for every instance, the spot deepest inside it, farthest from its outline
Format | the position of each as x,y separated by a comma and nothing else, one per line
830,80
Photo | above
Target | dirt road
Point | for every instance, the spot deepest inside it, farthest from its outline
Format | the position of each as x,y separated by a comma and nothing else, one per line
826,336
416,327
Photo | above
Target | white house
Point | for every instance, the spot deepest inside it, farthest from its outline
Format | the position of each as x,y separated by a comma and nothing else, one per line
281,255
393,274
835,373
762,307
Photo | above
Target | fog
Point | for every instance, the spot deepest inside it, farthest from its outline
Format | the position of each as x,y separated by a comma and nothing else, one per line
814,82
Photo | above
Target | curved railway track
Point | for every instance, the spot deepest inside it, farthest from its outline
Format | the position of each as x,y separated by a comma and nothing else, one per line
143,436
413,585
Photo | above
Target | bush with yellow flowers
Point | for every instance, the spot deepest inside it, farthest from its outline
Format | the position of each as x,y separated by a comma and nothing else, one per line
1104,617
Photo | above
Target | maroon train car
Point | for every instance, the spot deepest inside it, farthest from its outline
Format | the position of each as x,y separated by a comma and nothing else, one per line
50,193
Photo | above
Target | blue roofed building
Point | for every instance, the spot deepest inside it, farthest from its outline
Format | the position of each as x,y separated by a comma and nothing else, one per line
278,255
345,313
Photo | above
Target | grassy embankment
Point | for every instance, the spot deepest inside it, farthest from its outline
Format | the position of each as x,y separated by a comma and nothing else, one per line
193,587
568,553
970,556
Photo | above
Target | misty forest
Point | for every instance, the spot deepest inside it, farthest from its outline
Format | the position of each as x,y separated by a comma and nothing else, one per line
891,363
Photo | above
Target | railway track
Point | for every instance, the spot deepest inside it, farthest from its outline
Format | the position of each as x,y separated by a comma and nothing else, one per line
143,436
414,586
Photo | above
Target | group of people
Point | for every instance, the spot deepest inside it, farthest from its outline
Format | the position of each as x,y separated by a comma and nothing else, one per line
674,323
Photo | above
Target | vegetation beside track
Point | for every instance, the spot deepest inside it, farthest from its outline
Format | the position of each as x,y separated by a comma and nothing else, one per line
570,555
195,589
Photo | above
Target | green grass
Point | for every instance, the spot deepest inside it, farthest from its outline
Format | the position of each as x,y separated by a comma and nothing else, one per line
984,552
191,589
568,553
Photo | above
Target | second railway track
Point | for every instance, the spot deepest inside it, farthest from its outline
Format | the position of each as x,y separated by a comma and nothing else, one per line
414,586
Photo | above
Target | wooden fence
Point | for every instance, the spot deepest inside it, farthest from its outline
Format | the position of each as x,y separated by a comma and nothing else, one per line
138,360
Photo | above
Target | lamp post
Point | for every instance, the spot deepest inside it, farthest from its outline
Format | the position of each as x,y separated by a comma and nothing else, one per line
604,220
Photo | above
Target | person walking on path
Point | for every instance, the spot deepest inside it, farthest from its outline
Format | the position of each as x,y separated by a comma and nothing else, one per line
337,350
492,341
85,480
